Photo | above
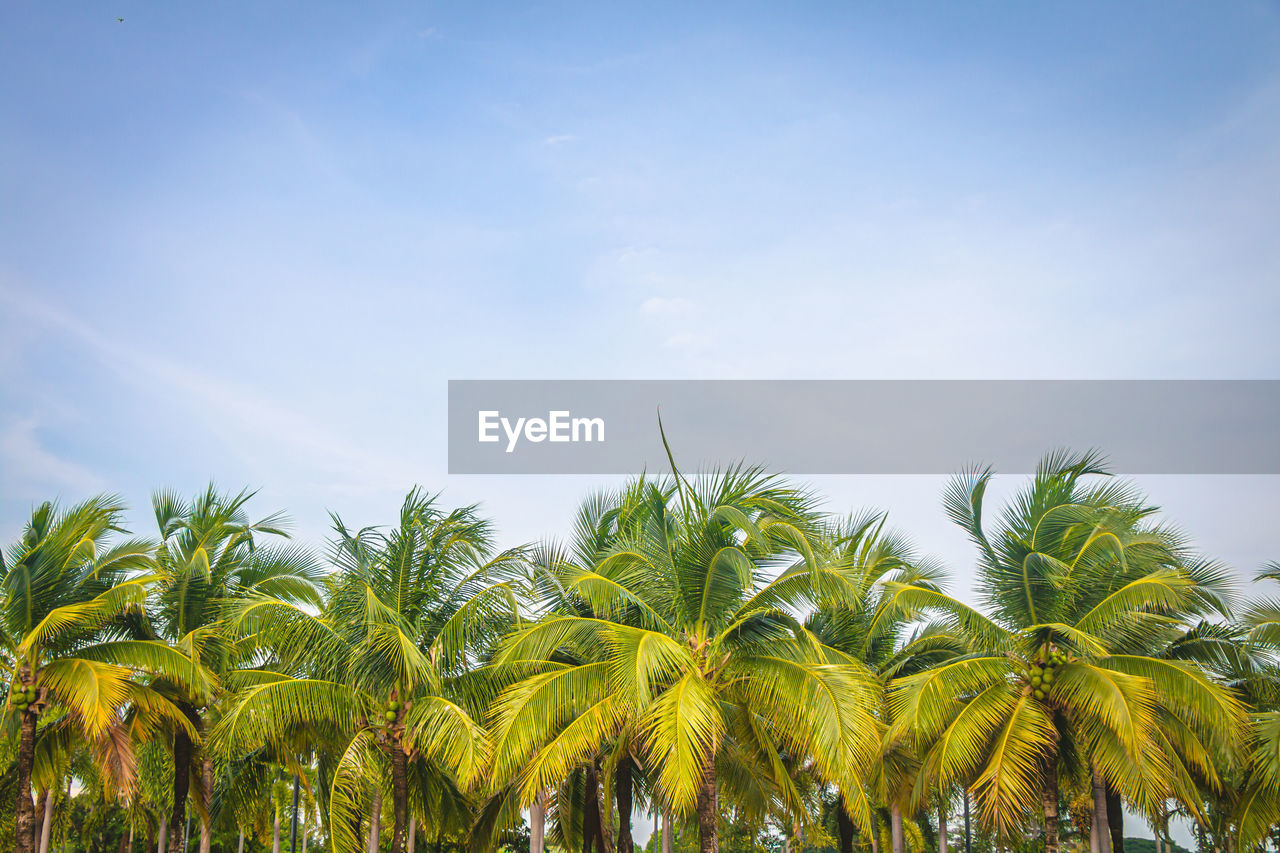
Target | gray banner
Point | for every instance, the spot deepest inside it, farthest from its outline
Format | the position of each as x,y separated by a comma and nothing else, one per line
861,426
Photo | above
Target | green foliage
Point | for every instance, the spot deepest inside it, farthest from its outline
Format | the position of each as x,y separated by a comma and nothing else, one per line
1083,584
671,629
704,634
735,837
1147,845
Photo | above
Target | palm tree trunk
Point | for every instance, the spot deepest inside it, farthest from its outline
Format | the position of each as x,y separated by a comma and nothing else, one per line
413,835
304,839
968,836
875,836
668,833
895,828
293,818
181,785
130,847
942,829
206,798
844,827
47,826
590,810
538,824
622,793
66,804
1096,841
708,809
1049,800
375,819
1100,811
25,815
1115,820
604,829
240,843
40,798
399,795
163,842
275,831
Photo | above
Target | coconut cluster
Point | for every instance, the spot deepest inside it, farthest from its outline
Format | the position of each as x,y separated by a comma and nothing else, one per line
23,697
392,712
1042,672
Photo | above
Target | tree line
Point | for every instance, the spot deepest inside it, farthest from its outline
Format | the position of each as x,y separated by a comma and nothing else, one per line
714,649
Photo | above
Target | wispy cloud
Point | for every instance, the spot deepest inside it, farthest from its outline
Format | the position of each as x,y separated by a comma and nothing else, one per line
251,425
683,340
666,305
31,468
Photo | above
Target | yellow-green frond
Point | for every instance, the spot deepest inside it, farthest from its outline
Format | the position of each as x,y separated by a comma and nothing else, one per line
680,733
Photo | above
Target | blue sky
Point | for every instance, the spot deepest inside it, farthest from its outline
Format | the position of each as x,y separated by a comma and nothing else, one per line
253,241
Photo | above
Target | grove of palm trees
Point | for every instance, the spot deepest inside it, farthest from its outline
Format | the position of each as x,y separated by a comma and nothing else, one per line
718,661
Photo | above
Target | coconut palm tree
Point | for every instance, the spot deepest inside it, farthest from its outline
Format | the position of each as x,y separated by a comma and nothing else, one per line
1246,655
867,623
211,558
557,571
693,642
149,808
66,588
1257,813
1200,773
1075,569
376,670
57,751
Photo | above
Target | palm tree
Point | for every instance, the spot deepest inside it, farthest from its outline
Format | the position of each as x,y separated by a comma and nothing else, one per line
1198,772
376,670
65,588
1074,571
149,807
557,570
56,752
866,622
211,558
1247,655
693,641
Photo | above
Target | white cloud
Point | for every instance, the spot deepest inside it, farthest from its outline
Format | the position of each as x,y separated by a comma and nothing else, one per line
560,139
680,341
251,425
665,305
30,467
